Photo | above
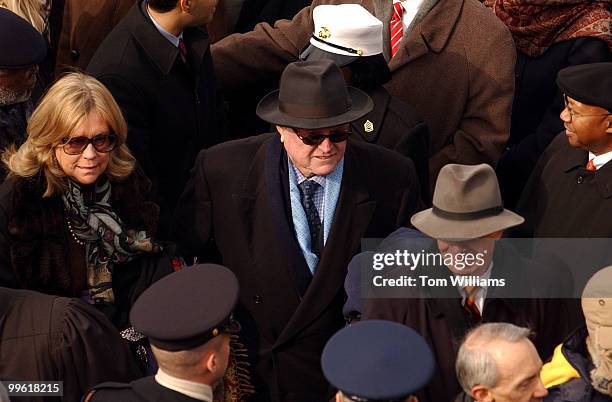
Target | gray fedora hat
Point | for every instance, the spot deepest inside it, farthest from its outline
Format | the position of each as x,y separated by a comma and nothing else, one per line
313,94
467,205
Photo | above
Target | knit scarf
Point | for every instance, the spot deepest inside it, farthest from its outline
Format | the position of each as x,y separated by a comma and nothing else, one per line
537,24
107,241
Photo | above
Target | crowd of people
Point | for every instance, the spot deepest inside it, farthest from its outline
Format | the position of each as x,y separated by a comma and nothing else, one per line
208,200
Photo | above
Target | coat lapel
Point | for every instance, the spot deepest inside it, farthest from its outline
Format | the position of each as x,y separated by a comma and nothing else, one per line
268,189
351,220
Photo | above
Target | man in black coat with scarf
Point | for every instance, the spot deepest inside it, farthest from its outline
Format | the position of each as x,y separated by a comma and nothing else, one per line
287,211
157,64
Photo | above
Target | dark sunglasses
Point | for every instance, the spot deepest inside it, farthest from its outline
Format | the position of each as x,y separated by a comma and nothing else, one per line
310,138
102,143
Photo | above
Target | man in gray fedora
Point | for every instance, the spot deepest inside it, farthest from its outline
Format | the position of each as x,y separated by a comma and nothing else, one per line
286,211
467,218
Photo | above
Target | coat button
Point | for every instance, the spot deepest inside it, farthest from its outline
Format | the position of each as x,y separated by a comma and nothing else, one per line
75,54
258,299
579,180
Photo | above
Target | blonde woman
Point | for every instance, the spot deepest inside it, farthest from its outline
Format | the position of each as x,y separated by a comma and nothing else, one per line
74,220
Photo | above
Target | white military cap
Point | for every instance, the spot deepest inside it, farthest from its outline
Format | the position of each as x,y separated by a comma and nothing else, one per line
348,31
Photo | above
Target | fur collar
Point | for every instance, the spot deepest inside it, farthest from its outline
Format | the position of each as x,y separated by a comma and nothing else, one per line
39,242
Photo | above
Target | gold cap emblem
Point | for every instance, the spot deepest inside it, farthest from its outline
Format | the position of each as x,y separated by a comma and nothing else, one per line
368,126
324,33
215,332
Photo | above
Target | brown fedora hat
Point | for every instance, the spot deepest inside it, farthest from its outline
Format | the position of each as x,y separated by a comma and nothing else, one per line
467,205
313,94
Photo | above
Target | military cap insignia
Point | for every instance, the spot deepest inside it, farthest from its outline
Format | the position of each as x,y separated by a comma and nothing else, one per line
324,33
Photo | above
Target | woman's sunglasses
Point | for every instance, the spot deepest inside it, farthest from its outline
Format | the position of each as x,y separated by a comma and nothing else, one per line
102,143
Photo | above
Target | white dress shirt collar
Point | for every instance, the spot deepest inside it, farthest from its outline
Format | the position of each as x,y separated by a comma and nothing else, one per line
600,160
173,39
201,392
411,7
481,292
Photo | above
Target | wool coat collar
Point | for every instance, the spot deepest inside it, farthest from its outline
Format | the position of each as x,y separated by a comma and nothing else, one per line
575,160
158,49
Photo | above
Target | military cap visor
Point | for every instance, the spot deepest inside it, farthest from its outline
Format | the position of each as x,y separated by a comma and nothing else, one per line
21,45
187,308
590,84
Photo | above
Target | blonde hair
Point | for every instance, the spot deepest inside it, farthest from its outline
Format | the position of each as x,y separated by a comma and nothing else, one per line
34,11
61,111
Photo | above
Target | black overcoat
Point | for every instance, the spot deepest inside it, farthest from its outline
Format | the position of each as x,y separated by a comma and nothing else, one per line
142,390
51,338
563,199
238,197
172,108
395,125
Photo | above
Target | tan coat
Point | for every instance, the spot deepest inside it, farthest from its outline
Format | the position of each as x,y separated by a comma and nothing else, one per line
455,66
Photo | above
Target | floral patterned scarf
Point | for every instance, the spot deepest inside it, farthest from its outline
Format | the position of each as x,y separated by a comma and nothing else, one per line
537,24
106,239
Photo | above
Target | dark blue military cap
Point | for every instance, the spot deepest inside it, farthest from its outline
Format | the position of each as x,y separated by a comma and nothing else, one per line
588,83
377,361
187,308
21,45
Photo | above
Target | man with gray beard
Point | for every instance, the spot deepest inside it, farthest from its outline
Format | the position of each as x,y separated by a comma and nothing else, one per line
23,48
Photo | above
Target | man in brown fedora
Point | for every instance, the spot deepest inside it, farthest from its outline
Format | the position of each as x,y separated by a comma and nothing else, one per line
287,211
467,218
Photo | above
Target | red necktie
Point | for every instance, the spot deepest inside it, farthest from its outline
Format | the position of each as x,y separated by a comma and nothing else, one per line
182,49
470,304
591,166
396,28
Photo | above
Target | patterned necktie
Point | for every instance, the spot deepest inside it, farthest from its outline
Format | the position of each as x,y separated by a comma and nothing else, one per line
396,27
182,49
591,166
307,190
470,304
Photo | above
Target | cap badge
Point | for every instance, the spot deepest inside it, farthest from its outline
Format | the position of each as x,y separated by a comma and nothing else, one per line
215,332
324,33
368,126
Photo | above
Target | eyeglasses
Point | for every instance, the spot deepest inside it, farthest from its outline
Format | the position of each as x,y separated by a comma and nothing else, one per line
102,143
573,114
313,138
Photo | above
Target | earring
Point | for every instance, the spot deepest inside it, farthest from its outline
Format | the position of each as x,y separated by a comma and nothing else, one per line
282,139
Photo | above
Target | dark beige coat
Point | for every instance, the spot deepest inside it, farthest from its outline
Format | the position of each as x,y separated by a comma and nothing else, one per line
83,26
455,66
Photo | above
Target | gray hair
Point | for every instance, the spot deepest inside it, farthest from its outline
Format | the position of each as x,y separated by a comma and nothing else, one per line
475,365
